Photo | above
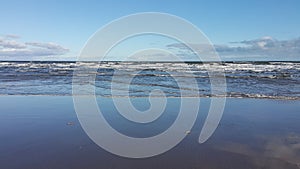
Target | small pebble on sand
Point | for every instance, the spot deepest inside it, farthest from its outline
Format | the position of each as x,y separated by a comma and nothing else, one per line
187,132
70,123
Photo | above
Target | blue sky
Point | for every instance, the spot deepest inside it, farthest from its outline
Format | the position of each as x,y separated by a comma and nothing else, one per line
58,30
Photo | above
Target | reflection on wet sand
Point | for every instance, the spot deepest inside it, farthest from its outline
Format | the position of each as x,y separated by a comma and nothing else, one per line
285,147
276,154
48,135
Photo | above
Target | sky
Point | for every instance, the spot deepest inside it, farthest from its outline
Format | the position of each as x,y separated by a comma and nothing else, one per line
241,30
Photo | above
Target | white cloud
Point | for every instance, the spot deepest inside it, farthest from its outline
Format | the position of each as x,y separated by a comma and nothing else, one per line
265,48
8,44
48,48
12,36
10,47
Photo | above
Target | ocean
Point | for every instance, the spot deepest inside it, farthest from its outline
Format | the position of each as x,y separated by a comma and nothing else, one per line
277,80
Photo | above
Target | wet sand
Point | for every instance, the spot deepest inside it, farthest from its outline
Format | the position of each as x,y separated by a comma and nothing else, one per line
42,132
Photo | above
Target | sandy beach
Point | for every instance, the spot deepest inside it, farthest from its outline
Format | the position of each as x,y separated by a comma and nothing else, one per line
43,132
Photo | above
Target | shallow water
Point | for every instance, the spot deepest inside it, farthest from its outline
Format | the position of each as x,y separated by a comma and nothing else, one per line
43,132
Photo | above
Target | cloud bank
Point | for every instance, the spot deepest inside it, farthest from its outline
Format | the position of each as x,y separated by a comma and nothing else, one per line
265,48
262,49
11,46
